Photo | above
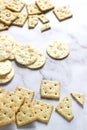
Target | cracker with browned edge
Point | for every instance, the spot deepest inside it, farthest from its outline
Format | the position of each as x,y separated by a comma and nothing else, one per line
62,13
32,21
43,18
50,89
64,108
43,111
15,5
45,27
79,97
26,114
44,5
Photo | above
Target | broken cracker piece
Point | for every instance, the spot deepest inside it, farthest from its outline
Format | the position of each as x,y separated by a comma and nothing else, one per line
79,97
64,108
45,27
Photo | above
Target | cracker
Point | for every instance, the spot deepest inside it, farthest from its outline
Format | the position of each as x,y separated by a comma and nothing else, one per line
6,46
24,54
7,115
15,5
26,114
20,21
50,89
45,27
2,4
41,59
58,50
13,98
44,5
3,26
43,111
32,9
62,13
43,18
64,108
32,21
25,92
79,97
7,17
7,78
2,92
5,67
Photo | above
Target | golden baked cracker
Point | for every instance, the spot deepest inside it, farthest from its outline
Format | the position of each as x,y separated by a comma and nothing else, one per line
44,5
25,54
21,19
3,26
2,92
50,89
41,59
15,5
64,108
5,67
58,50
79,97
13,98
25,92
45,27
7,17
7,78
62,13
43,18
26,114
7,115
43,111
32,21
32,9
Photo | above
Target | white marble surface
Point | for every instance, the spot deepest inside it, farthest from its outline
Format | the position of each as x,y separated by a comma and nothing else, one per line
71,72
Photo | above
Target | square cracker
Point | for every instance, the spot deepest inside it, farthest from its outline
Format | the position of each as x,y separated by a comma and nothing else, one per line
43,18
64,108
15,5
45,27
32,21
62,13
27,93
21,19
50,89
26,114
43,111
7,115
3,26
12,98
7,17
44,5
32,9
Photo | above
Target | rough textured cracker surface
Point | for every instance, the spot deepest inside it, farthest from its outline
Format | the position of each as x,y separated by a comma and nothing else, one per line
43,111
7,16
25,92
64,108
79,97
5,67
26,114
45,27
44,5
58,50
43,18
24,54
15,5
20,20
3,26
32,9
32,21
62,13
50,89
7,78
41,59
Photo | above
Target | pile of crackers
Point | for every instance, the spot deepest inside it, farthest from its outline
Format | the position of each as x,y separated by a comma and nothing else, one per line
10,13
17,106
24,54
